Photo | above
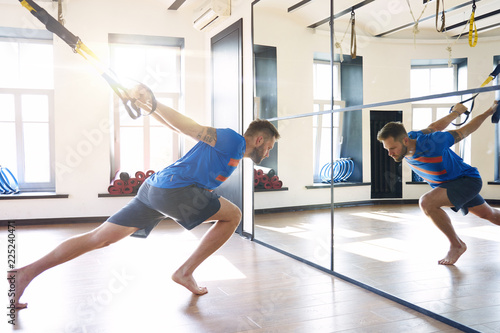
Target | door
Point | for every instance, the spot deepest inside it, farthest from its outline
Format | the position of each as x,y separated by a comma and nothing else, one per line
227,101
385,172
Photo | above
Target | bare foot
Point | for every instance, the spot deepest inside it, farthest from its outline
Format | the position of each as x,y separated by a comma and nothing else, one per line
453,255
17,285
188,282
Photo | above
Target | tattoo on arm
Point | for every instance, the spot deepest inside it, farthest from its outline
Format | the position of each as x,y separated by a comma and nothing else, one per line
428,130
208,135
457,136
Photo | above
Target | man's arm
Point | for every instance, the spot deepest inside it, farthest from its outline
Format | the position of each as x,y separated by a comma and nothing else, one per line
473,125
175,120
186,125
441,124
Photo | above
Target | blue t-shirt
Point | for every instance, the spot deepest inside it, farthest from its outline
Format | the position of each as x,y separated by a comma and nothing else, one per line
204,166
435,162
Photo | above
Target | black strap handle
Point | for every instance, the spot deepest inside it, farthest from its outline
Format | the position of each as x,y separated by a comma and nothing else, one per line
467,113
492,75
128,102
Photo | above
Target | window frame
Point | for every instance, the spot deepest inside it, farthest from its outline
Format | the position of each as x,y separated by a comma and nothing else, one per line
319,129
463,149
459,149
435,66
319,126
176,97
13,35
146,126
337,92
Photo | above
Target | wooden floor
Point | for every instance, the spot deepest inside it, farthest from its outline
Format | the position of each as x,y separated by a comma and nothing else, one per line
395,249
127,288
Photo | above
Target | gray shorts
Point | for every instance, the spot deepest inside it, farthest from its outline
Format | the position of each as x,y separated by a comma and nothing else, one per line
464,193
189,206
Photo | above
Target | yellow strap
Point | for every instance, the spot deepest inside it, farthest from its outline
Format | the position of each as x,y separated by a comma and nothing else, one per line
27,6
472,30
488,80
82,47
84,51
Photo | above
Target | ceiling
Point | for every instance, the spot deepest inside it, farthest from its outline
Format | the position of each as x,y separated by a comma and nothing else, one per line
378,18
393,19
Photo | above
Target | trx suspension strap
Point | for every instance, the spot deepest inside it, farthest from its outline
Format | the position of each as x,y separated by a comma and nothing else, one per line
60,17
472,26
353,35
440,29
78,47
490,78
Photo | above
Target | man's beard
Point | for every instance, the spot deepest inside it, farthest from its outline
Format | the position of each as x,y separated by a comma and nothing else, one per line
403,153
257,155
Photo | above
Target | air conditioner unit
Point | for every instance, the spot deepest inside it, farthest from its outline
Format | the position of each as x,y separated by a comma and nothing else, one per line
211,12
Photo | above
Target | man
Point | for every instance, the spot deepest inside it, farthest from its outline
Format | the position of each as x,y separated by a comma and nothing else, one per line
181,191
454,183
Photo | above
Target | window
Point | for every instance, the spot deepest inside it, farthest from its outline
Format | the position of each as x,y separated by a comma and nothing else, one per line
323,80
430,80
322,124
144,144
436,79
26,117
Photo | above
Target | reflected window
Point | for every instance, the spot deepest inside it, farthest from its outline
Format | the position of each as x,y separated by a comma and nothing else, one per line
437,79
324,124
26,117
144,143
430,80
323,80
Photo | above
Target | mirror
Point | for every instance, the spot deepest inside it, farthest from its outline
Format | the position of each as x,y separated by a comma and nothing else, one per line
297,232
284,87
370,227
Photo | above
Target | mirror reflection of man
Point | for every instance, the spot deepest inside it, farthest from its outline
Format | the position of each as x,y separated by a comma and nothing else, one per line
454,183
